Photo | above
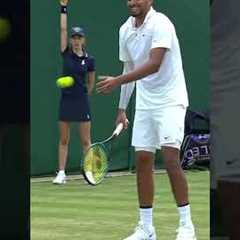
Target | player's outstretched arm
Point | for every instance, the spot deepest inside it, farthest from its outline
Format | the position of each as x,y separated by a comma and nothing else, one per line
153,64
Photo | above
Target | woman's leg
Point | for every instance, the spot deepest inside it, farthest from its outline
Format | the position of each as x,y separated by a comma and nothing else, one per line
64,128
85,135
62,152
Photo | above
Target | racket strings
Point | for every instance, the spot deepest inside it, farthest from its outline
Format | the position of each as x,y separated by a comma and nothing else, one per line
96,163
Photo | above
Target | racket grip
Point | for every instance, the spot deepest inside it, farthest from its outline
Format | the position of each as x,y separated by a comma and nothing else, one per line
118,129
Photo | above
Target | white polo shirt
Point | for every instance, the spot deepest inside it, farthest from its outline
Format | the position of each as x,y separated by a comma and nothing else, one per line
167,86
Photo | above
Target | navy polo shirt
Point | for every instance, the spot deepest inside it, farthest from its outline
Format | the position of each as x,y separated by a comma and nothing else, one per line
77,67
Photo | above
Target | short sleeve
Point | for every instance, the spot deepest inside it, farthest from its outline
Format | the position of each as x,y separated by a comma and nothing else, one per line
123,52
91,64
63,53
162,34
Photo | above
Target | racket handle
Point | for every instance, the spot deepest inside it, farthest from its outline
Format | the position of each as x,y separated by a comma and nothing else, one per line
118,129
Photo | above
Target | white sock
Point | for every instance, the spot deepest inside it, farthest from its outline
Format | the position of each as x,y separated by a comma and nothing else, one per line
185,216
61,172
146,217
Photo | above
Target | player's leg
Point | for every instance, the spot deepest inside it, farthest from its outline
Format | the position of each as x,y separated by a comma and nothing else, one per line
85,135
172,135
145,187
64,128
180,191
145,184
176,175
145,154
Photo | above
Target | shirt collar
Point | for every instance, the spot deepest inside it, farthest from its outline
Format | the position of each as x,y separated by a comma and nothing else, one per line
150,13
85,54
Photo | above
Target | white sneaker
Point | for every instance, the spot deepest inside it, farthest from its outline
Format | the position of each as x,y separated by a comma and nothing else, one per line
60,179
141,234
186,233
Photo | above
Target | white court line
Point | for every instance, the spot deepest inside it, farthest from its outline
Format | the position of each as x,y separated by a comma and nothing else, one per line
79,176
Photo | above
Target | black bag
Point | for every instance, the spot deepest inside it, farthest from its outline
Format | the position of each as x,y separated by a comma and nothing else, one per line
195,150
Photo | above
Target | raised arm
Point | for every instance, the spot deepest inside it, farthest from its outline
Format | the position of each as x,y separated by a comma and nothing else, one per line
63,25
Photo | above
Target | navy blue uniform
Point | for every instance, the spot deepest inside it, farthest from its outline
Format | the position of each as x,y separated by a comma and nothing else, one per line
74,102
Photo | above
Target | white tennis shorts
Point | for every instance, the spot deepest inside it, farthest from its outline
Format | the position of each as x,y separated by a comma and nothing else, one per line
153,129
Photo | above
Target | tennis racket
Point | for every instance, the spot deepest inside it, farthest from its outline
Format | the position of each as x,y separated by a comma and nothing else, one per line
96,160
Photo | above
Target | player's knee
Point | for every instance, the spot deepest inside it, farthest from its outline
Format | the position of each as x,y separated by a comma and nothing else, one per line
171,158
144,157
172,165
144,163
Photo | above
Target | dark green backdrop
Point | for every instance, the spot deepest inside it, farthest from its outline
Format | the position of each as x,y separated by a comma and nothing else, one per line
102,19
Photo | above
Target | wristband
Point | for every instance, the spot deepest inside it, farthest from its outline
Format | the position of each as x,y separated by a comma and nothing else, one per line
63,9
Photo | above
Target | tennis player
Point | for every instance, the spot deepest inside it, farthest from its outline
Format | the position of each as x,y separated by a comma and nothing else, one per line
150,52
74,102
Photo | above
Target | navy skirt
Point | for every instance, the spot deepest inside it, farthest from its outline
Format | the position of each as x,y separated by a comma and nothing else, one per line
74,109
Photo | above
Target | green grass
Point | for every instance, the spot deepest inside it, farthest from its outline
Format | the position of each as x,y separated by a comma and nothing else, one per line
109,211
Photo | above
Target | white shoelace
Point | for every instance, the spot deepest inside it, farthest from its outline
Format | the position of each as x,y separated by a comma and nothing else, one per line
139,230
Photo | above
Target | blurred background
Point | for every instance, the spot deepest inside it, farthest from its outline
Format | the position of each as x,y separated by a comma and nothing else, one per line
14,120
14,49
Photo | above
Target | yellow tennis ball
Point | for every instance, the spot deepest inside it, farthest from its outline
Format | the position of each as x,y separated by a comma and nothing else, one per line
5,29
65,82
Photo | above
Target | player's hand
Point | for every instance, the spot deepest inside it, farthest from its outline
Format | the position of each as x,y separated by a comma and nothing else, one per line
64,2
122,118
107,84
